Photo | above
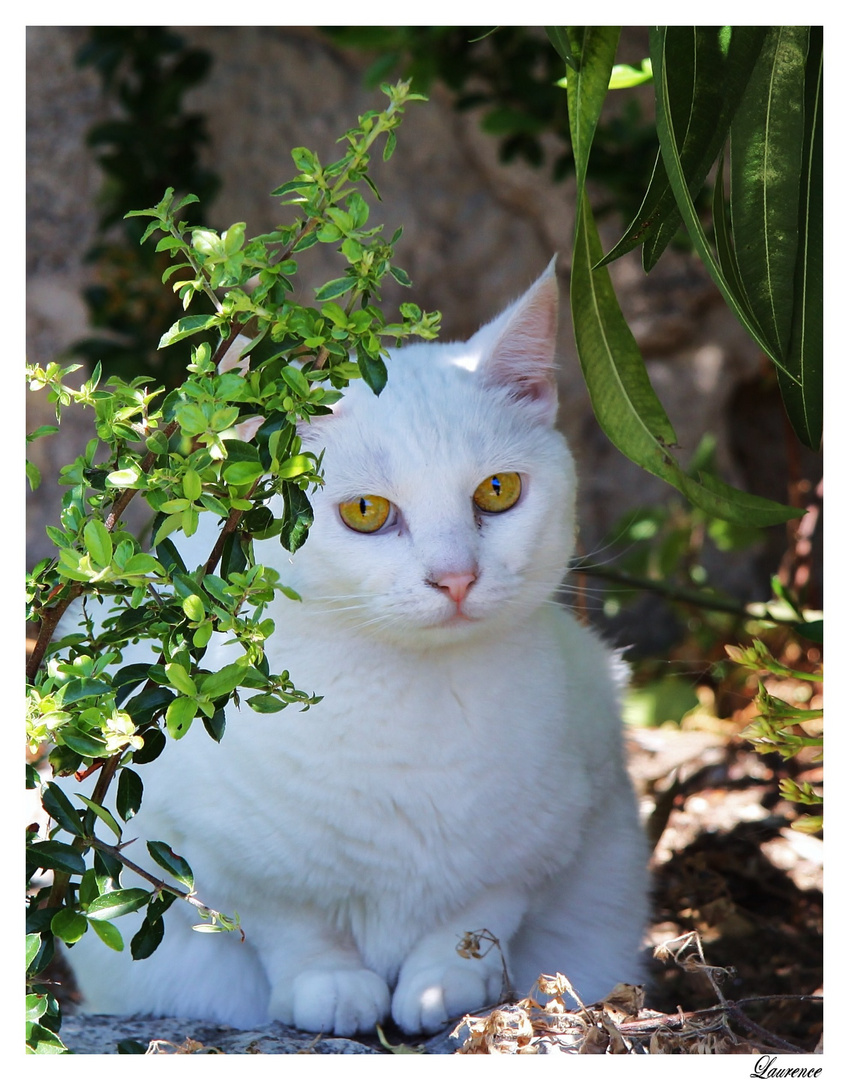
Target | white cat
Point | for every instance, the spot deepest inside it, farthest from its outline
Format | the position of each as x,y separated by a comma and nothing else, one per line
464,770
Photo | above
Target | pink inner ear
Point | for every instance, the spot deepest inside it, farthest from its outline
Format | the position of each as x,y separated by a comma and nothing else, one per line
522,357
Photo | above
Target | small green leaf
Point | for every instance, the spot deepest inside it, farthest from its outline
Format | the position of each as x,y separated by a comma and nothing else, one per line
98,542
54,855
297,518
68,925
33,475
295,379
372,369
41,1040
113,904
81,742
295,466
192,486
185,327
624,76
169,860
154,743
266,703
337,287
179,716
59,807
218,683
401,276
170,524
102,813
305,160
33,944
147,939
309,240
125,478
195,610
36,1005
77,689
216,724
243,472
202,636
110,935
180,679
233,239
129,796
141,563
192,419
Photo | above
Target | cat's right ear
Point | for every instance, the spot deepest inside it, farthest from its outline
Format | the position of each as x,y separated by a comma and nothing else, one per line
518,348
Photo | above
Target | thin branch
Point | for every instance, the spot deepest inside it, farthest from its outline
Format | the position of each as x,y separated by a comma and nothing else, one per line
229,527
161,886
47,627
51,616
671,592
760,1032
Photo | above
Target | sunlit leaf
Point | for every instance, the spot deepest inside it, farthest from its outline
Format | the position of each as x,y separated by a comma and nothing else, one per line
119,902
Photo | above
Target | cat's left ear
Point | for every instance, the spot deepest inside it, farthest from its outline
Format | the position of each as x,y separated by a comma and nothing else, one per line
519,347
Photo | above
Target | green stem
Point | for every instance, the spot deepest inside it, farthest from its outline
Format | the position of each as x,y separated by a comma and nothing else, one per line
196,266
671,592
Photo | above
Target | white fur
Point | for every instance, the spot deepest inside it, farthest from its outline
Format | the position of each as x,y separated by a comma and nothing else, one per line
464,770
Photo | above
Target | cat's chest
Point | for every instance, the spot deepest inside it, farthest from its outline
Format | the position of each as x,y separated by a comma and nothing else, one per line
430,766
431,746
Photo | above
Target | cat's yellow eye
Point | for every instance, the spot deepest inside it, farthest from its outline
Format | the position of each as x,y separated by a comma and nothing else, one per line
498,492
366,514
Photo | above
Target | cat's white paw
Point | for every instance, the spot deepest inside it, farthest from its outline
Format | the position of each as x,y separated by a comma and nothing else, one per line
425,1000
336,1002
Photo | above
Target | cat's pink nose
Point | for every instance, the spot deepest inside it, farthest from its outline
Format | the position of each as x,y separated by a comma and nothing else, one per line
457,585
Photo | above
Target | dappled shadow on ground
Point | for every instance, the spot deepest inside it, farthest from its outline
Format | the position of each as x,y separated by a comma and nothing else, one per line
728,865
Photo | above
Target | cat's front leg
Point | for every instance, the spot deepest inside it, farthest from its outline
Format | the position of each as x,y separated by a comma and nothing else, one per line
436,983
319,981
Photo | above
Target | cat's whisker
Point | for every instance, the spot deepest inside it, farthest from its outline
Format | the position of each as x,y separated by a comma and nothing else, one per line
612,542
588,590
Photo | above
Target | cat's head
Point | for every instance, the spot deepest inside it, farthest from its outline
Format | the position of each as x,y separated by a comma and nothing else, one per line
448,504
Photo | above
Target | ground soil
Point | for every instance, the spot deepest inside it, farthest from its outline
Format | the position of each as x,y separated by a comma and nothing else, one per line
728,865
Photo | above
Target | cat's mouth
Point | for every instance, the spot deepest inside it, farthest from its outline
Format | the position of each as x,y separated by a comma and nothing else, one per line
456,618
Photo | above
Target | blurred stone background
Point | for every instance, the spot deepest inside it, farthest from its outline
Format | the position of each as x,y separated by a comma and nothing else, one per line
477,232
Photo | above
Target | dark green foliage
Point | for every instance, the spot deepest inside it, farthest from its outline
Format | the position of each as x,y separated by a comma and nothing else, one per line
152,143
700,77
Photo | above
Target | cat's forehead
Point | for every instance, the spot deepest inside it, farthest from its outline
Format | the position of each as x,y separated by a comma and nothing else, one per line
434,414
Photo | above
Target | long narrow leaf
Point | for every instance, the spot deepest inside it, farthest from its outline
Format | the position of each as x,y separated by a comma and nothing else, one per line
672,163
586,89
719,499
712,67
624,402
722,234
723,60
102,813
623,399
560,40
622,396
767,137
803,394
